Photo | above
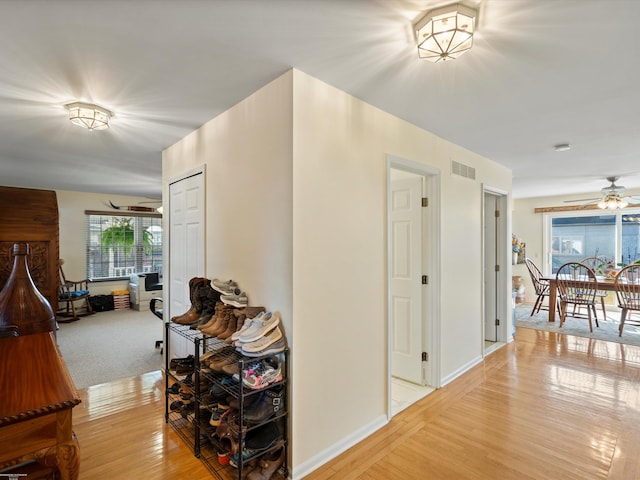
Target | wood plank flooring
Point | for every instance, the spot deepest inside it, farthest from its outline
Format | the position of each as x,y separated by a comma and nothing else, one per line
547,406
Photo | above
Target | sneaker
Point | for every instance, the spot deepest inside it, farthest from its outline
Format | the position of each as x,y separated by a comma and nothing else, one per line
260,329
248,323
268,372
236,298
225,288
263,342
278,347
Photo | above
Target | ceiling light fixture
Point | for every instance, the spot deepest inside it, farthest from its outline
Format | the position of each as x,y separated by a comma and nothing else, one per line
445,32
89,116
612,196
612,202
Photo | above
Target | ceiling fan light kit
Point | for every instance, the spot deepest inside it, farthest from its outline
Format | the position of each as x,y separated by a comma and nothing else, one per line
613,197
89,116
445,32
612,202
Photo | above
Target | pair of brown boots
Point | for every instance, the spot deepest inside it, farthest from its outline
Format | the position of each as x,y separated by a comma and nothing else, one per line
203,300
227,320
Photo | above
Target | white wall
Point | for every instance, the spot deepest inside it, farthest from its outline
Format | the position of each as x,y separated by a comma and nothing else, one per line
339,201
247,152
296,207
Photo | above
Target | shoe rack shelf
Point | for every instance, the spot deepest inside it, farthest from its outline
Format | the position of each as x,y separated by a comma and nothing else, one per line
192,423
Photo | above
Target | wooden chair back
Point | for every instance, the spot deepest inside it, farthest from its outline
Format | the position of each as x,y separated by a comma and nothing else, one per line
627,287
597,264
541,286
577,284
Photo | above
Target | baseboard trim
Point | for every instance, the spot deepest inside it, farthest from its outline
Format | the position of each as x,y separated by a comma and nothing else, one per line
336,449
463,369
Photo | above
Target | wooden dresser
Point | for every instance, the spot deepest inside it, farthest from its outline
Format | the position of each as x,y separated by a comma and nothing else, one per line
37,396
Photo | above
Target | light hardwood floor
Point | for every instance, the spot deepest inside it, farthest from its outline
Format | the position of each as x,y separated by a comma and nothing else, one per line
547,406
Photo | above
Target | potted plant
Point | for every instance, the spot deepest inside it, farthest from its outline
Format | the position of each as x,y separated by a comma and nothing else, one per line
575,270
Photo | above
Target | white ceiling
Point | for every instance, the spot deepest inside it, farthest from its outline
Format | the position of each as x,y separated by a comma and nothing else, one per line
541,72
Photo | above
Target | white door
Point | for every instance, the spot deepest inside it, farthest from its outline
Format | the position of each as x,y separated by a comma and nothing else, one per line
186,249
405,278
490,261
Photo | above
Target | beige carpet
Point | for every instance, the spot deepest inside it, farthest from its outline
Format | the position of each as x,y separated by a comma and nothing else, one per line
608,329
110,346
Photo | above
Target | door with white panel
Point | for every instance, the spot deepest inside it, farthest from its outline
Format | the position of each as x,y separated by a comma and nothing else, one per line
186,249
405,278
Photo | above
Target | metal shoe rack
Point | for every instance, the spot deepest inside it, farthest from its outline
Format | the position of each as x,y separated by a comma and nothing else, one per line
195,430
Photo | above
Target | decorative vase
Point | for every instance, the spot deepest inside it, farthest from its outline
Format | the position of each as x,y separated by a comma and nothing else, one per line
514,257
21,304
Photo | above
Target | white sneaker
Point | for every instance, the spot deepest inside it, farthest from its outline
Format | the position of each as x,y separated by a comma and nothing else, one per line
236,298
263,342
225,288
246,325
268,322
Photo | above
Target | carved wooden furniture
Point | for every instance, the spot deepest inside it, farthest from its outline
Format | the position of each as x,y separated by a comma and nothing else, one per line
31,216
71,292
37,399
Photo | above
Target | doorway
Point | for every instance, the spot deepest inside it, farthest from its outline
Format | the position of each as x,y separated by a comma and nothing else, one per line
412,286
496,250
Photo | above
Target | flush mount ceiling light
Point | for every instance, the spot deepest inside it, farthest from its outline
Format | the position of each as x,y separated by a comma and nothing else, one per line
445,32
89,116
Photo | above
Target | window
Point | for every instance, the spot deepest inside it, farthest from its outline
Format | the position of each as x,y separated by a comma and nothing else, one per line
612,236
123,244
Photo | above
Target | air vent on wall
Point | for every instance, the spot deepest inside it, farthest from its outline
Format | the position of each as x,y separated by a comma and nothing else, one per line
463,170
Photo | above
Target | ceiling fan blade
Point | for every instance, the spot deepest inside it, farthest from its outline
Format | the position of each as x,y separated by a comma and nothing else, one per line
583,200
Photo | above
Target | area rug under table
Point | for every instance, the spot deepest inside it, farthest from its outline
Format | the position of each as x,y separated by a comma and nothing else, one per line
579,326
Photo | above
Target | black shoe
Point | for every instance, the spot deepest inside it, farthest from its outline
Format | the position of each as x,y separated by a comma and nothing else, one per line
271,402
188,360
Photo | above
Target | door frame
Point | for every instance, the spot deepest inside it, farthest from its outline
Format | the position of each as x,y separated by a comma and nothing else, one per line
431,258
503,260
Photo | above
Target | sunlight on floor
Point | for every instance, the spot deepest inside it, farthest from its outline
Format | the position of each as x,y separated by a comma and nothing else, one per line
405,394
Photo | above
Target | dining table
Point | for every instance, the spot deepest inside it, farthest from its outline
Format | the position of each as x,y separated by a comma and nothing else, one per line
604,283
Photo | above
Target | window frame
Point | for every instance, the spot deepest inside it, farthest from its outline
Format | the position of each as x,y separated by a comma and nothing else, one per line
138,245
547,240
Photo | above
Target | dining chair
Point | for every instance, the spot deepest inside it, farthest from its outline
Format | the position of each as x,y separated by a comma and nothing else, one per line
540,286
597,264
627,288
577,285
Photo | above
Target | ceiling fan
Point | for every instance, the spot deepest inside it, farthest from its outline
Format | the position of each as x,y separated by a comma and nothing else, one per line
612,197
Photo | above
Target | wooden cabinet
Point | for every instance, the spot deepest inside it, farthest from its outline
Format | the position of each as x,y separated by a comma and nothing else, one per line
31,216
38,396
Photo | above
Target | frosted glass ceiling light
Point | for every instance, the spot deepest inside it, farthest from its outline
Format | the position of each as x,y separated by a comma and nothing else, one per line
445,32
89,116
